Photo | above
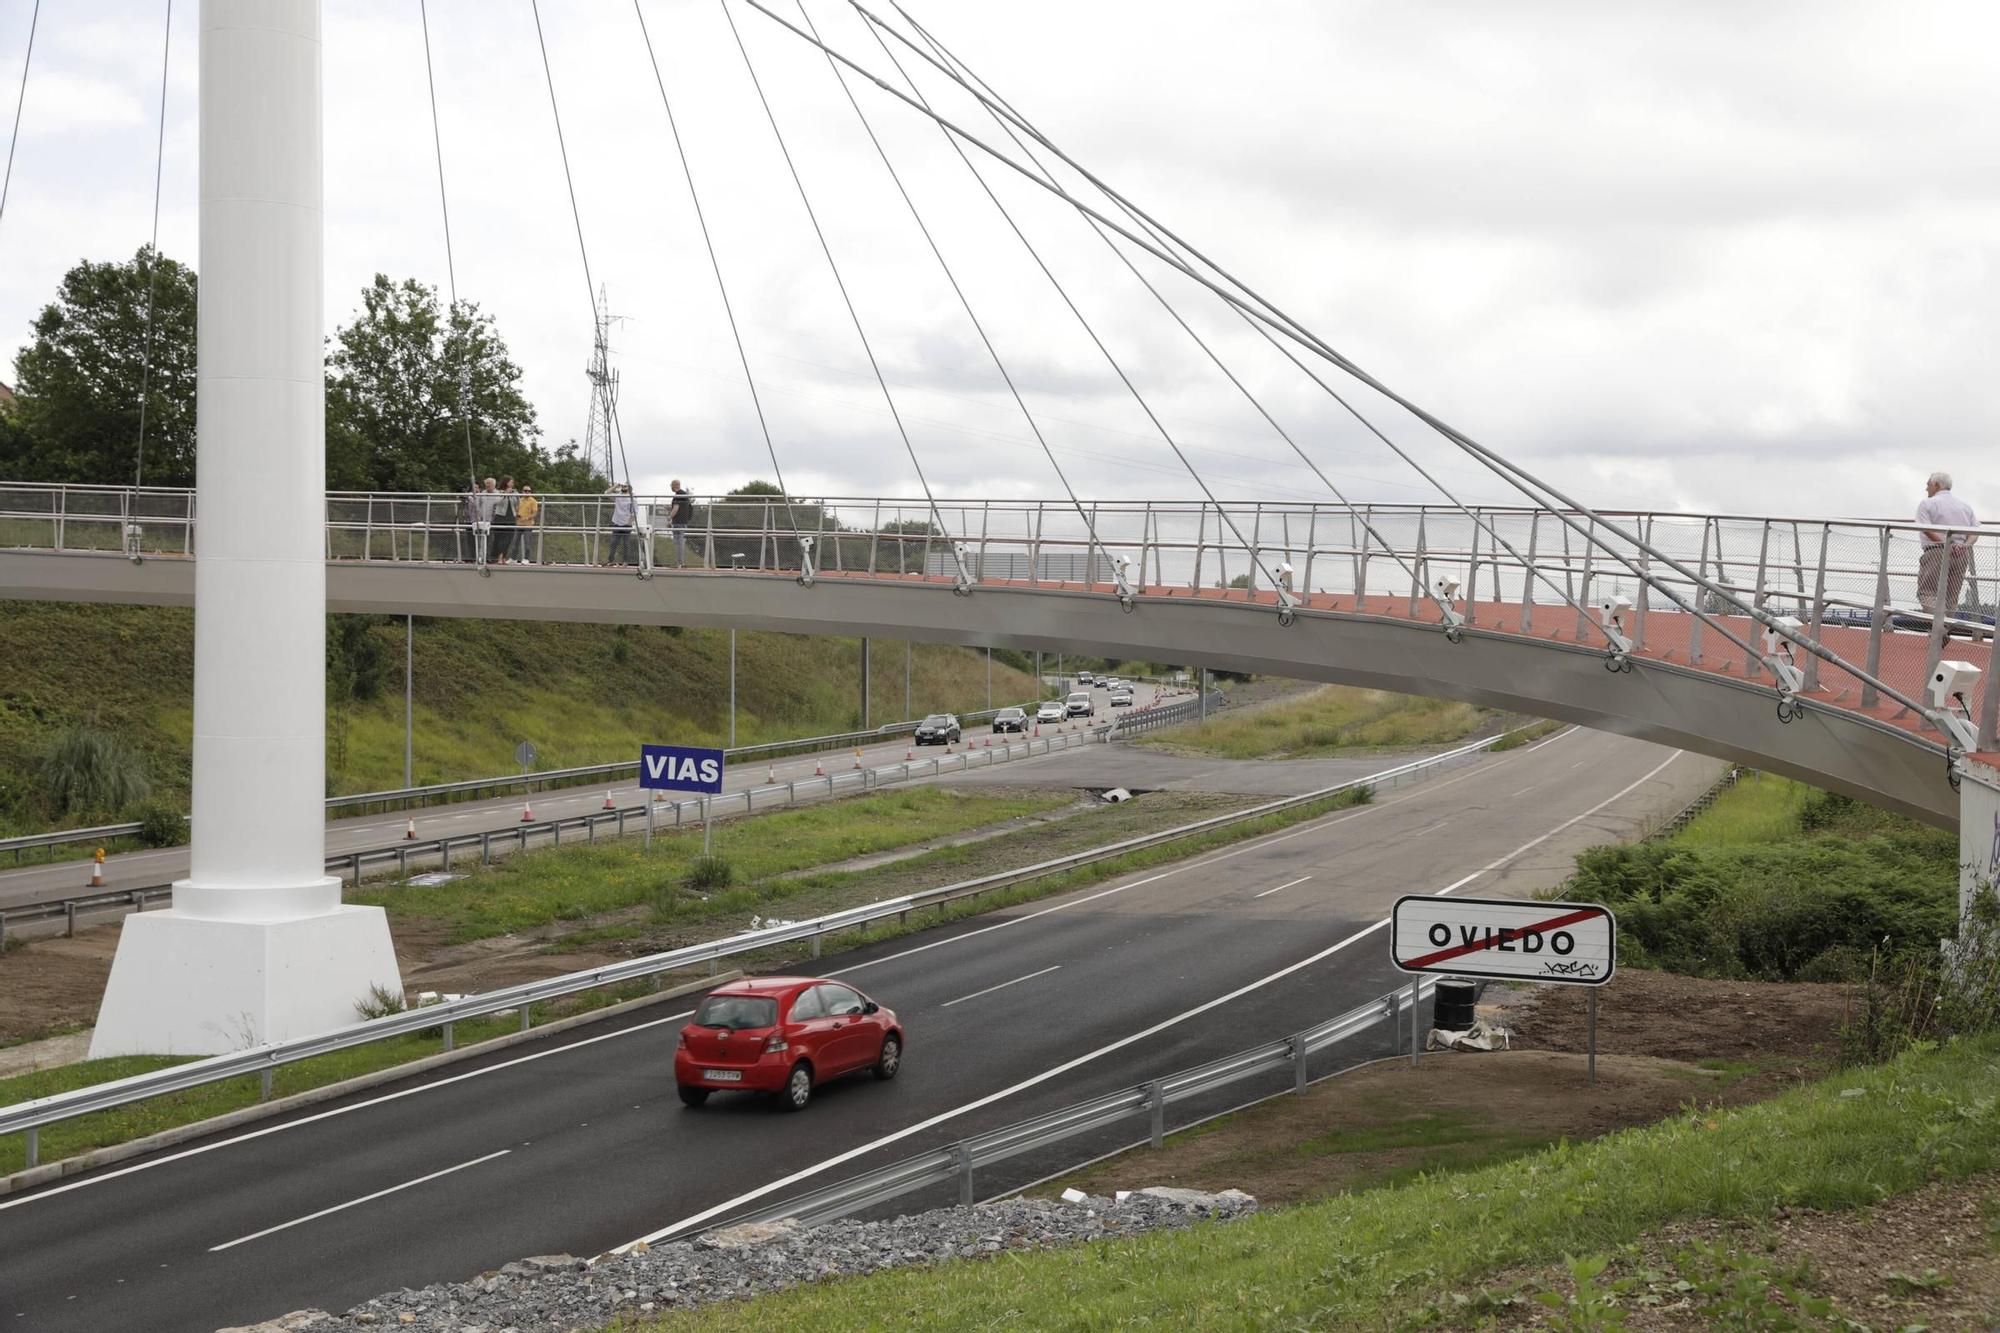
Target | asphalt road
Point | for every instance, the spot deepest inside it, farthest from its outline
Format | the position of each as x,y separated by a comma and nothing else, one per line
579,1144
63,879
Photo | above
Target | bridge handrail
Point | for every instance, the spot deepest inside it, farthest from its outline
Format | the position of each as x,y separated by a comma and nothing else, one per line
30,1116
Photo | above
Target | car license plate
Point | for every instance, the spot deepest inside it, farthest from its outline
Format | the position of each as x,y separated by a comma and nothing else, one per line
723,1075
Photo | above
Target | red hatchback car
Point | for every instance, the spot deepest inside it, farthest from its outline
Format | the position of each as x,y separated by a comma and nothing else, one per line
784,1035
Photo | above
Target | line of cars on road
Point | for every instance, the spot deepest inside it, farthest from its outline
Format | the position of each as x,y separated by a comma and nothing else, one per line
946,729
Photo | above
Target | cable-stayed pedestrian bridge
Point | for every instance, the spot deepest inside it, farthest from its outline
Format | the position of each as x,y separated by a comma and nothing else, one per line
1793,644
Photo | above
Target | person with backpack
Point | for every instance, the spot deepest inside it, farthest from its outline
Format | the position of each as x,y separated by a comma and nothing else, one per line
680,513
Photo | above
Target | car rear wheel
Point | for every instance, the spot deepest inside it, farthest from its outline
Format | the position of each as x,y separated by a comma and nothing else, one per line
693,1096
798,1088
891,1058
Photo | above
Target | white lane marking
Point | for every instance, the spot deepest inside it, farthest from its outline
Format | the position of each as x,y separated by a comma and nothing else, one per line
861,1150
1258,844
1286,885
149,1164
353,1203
1569,730
1002,986
1525,790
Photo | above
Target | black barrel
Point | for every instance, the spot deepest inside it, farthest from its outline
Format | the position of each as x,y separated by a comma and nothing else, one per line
1452,1010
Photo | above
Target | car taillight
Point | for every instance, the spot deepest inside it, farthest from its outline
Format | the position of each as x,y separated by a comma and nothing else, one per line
682,1044
775,1043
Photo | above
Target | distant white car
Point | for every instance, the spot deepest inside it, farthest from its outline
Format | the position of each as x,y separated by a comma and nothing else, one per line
1080,704
1121,698
1049,712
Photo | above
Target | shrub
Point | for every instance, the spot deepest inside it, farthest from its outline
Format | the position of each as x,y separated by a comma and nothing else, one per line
707,873
84,769
161,824
380,1002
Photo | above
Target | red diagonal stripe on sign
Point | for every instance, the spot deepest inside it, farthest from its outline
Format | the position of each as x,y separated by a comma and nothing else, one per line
1507,936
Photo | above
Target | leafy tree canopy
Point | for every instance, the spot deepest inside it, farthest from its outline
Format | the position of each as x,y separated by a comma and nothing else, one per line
405,376
81,380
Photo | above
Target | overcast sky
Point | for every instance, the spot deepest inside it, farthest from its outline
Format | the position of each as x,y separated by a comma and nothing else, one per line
1673,255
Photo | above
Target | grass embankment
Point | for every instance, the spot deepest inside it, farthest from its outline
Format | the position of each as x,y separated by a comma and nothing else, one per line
1777,881
1334,719
583,694
1425,1253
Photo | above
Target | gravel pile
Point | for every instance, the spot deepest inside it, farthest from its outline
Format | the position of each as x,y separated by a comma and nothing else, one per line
558,1292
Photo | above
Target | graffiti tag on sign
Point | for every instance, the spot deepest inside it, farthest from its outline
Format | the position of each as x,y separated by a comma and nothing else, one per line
1575,943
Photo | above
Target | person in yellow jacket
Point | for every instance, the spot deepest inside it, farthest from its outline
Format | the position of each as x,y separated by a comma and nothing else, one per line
525,536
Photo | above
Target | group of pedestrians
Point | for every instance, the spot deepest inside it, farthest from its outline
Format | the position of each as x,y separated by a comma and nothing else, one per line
508,517
509,520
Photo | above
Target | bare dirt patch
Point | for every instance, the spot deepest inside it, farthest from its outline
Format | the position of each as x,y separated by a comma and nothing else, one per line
51,985
1927,1260
1675,1041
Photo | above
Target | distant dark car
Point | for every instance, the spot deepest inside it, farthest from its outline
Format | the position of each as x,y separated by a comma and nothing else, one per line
1011,719
938,729
785,1036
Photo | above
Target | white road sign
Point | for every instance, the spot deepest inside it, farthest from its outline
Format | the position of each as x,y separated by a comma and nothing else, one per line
1572,943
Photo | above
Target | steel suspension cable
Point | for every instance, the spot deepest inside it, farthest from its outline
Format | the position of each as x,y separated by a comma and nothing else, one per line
575,213
153,254
1221,513
937,515
715,266
1276,319
20,100
450,261
1089,526
1550,498
1444,607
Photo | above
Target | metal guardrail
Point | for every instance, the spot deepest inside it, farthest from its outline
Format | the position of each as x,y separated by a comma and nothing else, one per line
402,797
961,1160
354,865
1165,715
28,1117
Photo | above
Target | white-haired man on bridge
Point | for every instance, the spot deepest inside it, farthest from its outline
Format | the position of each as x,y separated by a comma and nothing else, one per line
1945,554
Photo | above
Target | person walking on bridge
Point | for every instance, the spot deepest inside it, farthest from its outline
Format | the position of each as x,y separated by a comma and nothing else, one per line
680,514
621,524
505,505
525,514
1941,567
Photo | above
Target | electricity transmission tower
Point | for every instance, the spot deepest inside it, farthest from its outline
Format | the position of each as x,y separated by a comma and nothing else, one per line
599,448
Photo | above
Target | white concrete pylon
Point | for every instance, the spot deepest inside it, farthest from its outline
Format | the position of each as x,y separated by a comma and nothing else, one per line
257,946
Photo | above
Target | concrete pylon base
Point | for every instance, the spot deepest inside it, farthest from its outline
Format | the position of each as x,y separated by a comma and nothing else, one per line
184,985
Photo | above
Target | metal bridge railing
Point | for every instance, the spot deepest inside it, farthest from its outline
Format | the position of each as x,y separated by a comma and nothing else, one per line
31,1116
1854,587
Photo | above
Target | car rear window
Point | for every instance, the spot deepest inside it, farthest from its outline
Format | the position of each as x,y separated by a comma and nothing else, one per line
937,720
737,1012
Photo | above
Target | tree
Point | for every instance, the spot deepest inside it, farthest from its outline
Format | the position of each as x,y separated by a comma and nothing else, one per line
403,378
79,382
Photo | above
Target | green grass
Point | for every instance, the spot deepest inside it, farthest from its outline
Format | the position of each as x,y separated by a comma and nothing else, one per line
1334,719
576,883
1756,811
583,694
1396,1257
1528,735
124,1123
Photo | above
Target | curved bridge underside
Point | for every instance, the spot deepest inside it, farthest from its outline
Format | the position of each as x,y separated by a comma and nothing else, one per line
1713,704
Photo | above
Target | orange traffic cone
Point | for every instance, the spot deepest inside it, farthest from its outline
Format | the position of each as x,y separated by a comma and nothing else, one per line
609,804
989,742
909,755
771,774
410,830
1038,729
527,815
658,797
819,769
97,870
857,756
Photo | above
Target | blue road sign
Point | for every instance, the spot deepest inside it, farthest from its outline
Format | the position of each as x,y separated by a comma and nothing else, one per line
680,768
